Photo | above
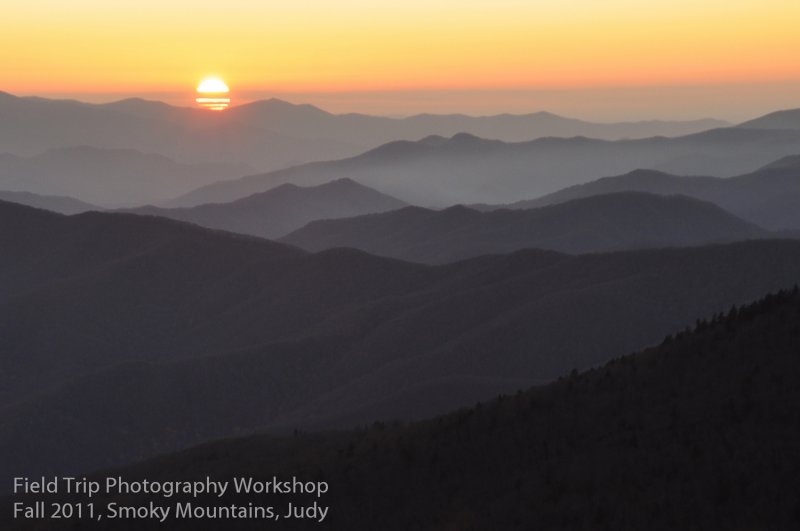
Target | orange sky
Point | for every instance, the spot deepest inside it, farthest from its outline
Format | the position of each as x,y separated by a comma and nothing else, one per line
86,47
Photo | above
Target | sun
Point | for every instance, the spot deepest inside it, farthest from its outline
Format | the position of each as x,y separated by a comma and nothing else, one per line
212,85
213,94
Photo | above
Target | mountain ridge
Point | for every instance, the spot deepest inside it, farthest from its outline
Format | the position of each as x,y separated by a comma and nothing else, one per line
60,204
190,135
600,223
283,209
766,196
159,308
785,119
108,177
467,169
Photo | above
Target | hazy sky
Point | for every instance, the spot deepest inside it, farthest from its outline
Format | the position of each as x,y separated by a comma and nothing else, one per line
670,57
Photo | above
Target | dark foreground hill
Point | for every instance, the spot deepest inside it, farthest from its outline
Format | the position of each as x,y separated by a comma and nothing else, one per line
283,209
767,197
602,223
122,336
698,433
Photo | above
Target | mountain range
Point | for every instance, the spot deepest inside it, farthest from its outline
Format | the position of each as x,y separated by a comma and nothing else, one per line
270,134
612,222
30,126
284,140
109,177
283,209
787,119
54,203
304,121
296,273
200,334
440,171
696,433
767,197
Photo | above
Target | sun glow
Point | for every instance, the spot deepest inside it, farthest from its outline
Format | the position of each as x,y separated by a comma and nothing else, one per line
660,50
212,84
213,94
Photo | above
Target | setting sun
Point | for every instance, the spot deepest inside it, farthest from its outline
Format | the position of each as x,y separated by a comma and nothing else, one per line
212,85
214,94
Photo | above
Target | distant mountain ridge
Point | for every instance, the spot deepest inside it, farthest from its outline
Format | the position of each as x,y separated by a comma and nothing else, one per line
365,130
788,119
29,126
281,138
767,197
599,223
268,134
108,177
467,169
283,209
60,204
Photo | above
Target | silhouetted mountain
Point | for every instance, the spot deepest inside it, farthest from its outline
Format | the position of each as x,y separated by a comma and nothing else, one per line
467,169
123,336
29,126
792,162
108,177
768,197
55,203
279,211
611,222
789,119
697,433
269,134
308,121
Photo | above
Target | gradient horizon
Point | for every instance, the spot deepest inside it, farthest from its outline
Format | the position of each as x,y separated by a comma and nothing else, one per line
631,59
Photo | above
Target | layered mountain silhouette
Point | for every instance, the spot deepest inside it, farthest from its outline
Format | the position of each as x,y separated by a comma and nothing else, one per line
125,336
55,203
108,177
788,119
29,126
279,137
283,209
610,222
305,121
696,433
270,134
440,171
768,197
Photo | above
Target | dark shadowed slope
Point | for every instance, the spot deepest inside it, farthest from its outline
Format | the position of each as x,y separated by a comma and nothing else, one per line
54,203
611,222
122,336
91,290
467,169
768,197
109,177
698,433
788,119
283,209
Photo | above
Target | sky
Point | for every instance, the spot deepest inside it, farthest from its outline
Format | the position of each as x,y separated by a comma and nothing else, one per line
590,58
